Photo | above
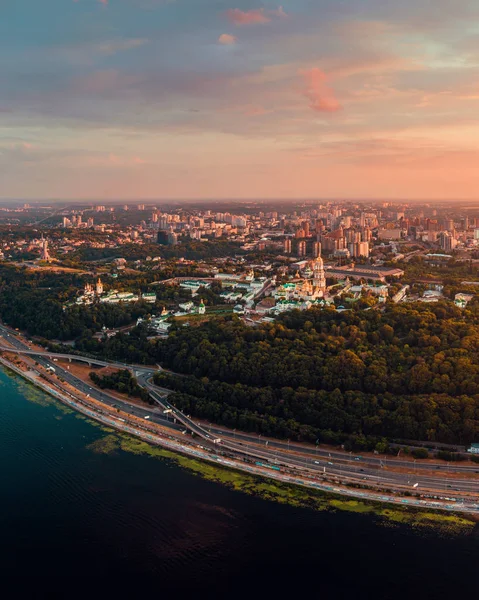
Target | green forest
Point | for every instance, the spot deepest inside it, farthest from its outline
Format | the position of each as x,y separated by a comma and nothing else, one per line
190,250
37,302
409,372
123,382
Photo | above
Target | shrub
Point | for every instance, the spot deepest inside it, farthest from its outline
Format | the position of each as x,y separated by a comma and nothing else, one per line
420,453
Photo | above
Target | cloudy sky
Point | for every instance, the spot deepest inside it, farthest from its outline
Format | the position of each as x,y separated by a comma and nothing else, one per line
110,99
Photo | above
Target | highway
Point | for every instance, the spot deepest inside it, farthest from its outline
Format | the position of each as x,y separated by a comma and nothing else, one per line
340,465
45,361
370,471
378,462
23,349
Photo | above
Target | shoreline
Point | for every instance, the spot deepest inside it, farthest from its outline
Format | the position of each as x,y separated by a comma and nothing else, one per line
171,444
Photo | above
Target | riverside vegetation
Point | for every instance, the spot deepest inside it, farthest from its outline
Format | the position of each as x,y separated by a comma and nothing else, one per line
292,495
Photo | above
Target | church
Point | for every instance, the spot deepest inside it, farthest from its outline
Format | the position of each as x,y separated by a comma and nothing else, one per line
310,288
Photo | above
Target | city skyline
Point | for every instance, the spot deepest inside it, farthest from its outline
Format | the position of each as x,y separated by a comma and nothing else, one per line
235,99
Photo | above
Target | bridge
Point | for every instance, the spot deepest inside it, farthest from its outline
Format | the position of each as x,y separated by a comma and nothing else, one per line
75,357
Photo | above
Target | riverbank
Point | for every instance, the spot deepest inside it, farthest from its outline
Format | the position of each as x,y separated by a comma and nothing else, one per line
250,478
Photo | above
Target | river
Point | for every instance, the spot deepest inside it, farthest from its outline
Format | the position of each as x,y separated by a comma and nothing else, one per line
76,523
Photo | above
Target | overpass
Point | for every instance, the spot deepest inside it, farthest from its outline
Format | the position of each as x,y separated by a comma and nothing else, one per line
76,357
361,470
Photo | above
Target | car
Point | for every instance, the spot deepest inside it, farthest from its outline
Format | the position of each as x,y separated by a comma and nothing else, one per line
316,462
147,416
330,463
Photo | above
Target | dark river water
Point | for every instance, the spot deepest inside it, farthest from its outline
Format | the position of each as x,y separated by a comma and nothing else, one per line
78,524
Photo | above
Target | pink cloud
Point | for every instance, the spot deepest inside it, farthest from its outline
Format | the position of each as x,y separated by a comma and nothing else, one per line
104,2
249,17
320,95
226,39
254,16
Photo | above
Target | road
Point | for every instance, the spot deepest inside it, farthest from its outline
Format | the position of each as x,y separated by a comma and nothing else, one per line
369,471
44,360
332,463
23,349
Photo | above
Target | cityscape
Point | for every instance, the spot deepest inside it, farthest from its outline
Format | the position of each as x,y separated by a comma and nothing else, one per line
125,281
239,298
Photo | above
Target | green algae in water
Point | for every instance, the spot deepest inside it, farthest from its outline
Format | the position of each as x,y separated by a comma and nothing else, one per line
33,394
105,445
284,493
36,395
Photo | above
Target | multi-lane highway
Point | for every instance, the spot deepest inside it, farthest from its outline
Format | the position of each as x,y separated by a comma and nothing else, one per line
338,464
49,361
380,472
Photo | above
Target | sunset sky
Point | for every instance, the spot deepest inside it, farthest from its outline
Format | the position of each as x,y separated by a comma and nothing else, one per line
113,99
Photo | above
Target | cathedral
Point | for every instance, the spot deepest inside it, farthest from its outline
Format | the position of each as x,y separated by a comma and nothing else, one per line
311,288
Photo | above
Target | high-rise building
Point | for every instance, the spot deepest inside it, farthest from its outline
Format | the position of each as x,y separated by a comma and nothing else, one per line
163,222
287,245
172,238
352,235
316,249
357,249
162,237
302,248
447,241
449,224
366,234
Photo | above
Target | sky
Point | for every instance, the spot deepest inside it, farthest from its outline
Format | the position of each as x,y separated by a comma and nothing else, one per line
218,99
